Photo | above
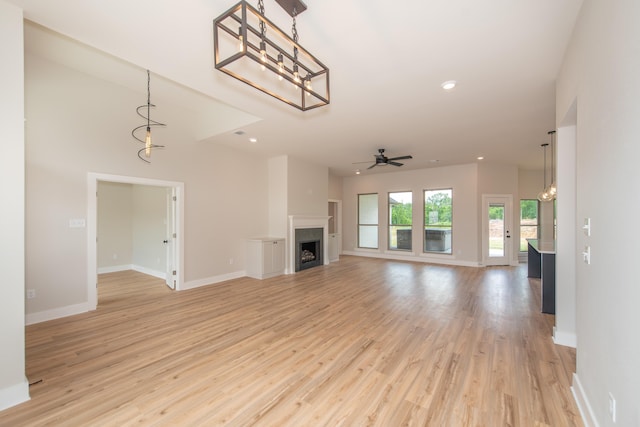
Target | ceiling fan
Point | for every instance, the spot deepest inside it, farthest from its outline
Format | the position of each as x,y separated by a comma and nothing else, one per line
382,160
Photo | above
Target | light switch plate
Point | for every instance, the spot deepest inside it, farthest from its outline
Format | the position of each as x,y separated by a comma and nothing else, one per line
586,255
77,223
587,227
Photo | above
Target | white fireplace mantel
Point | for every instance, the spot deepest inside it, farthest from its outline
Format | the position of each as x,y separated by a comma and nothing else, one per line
306,221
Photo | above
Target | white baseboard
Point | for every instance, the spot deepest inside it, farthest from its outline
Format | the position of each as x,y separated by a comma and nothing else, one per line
56,313
445,260
212,280
150,272
14,395
588,417
71,310
138,268
566,339
114,268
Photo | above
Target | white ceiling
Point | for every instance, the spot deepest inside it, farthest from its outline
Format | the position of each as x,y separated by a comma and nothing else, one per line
387,61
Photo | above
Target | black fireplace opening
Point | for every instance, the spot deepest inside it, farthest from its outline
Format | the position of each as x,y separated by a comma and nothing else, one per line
308,248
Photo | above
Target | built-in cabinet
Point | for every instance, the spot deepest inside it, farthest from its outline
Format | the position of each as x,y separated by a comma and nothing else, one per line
265,257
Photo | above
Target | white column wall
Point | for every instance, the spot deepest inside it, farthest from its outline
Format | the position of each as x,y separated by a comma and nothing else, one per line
14,387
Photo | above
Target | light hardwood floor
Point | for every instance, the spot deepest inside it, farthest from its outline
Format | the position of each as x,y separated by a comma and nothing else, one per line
359,342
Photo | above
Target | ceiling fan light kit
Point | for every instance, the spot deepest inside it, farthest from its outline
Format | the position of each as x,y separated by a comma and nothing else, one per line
250,48
382,160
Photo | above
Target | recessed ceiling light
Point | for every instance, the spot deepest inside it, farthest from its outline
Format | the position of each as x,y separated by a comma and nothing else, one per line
480,158
357,171
434,160
448,85
253,140
239,132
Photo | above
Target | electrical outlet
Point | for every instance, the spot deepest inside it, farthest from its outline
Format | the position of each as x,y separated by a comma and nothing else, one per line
230,261
31,293
586,255
612,407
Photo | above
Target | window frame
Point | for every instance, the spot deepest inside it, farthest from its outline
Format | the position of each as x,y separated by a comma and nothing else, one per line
520,225
447,240
376,225
389,224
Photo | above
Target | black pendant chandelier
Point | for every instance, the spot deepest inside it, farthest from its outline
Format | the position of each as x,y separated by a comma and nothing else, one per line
148,145
252,49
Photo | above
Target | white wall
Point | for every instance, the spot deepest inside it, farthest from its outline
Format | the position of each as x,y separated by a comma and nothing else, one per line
79,124
463,180
14,387
566,252
115,226
529,183
150,229
132,225
278,196
308,188
600,72
335,187
500,179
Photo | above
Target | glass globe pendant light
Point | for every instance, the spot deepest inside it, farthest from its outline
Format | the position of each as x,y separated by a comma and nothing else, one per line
545,195
553,189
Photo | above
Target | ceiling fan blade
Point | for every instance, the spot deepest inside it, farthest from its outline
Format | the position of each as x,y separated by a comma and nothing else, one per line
394,163
372,166
401,158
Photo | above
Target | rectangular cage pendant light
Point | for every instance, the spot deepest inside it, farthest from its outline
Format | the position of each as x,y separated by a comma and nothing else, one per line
250,48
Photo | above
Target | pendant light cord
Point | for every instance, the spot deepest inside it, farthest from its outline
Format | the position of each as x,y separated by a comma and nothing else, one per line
149,123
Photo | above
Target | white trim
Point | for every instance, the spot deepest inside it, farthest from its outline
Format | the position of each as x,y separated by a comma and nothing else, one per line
567,339
508,224
339,222
422,258
115,268
212,280
588,417
155,273
306,221
399,252
57,313
92,227
138,268
14,395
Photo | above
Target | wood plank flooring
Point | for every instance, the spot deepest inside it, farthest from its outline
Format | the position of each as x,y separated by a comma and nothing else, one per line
361,342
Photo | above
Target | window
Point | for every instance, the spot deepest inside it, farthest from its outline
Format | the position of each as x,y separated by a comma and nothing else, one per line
438,220
400,220
368,221
528,221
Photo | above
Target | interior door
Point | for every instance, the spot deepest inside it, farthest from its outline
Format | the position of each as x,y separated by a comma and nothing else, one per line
496,233
170,241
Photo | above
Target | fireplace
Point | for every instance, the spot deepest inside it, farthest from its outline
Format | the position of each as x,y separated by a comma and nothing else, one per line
299,226
309,248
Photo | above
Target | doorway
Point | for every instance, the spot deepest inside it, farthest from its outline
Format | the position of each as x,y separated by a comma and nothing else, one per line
335,229
497,248
172,196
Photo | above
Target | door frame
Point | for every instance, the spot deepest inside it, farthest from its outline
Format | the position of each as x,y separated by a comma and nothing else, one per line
508,201
92,226
338,221
171,241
